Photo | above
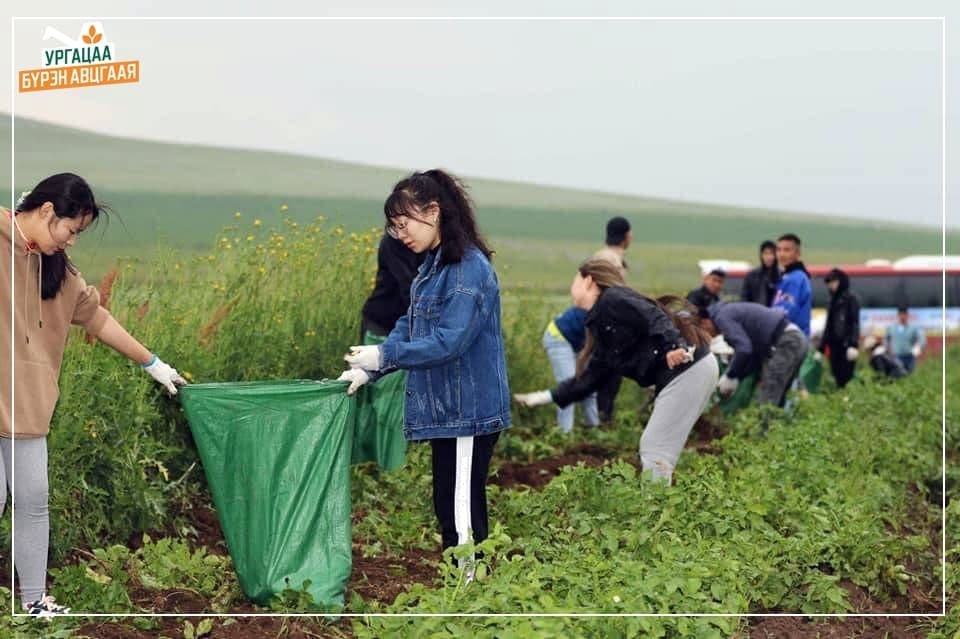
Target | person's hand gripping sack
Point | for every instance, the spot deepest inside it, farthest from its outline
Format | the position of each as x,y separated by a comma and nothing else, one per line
357,378
165,374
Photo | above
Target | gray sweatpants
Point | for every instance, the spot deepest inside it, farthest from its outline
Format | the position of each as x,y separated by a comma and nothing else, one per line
782,366
675,411
31,518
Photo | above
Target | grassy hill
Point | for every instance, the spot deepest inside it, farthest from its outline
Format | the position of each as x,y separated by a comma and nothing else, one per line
179,195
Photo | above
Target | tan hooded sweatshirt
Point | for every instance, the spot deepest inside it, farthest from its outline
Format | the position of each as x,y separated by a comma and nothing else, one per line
40,329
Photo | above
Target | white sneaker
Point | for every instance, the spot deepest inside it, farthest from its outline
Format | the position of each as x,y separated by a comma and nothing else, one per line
46,606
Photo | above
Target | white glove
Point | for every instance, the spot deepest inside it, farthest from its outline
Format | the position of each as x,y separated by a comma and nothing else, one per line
719,346
357,378
165,374
817,356
536,398
916,350
366,357
727,386
852,353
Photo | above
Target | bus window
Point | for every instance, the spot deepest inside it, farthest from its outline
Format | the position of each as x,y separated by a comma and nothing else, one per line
876,291
924,291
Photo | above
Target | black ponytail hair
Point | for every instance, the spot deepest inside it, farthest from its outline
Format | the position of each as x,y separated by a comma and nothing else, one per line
71,197
458,226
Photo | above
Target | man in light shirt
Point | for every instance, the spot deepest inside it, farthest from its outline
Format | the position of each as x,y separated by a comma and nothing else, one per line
618,239
619,236
904,341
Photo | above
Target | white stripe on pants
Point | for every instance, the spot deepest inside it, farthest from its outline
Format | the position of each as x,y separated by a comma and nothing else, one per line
461,489
675,411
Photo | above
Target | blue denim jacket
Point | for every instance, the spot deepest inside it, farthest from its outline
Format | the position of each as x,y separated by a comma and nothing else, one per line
451,342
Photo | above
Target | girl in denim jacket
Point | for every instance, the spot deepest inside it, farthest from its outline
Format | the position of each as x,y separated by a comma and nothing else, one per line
451,342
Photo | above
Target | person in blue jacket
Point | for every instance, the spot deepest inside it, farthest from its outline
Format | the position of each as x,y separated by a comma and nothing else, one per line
562,340
451,343
904,340
794,294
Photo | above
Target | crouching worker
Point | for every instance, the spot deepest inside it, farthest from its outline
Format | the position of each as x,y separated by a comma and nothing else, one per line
451,342
634,336
882,360
764,341
51,295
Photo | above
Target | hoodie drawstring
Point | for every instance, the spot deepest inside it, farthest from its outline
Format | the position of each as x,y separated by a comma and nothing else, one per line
28,248
40,289
26,304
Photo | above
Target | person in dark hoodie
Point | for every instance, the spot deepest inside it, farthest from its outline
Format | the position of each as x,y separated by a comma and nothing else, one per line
794,294
841,335
396,267
760,284
763,339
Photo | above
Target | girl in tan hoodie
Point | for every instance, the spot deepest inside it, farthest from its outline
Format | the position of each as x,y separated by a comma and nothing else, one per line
46,295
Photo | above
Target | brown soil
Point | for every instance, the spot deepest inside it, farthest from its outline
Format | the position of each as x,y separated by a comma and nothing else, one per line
203,519
383,578
708,428
237,628
922,596
840,628
539,473
915,601
173,600
373,578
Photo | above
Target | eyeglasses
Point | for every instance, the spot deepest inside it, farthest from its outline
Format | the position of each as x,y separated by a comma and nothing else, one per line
394,227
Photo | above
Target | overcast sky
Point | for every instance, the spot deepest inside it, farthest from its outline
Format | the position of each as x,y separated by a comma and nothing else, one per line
836,117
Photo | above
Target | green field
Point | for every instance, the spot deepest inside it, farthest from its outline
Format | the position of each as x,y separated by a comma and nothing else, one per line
181,196
830,512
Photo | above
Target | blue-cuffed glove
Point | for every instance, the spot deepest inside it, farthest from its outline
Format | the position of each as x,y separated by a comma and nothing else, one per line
164,374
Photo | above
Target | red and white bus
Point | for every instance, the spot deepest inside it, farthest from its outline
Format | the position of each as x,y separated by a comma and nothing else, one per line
881,286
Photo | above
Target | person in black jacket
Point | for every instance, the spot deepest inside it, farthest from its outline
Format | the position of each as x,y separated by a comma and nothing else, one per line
841,335
396,267
634,336
709,291
760,284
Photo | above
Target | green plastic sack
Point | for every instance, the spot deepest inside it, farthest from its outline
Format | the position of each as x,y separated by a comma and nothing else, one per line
810,372
277,459
740,398
379,424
